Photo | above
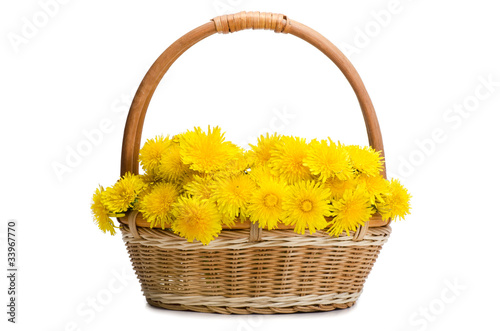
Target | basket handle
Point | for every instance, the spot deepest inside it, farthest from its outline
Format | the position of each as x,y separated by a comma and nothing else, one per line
228,24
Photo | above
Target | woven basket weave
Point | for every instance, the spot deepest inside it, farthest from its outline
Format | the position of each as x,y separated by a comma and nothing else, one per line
248,270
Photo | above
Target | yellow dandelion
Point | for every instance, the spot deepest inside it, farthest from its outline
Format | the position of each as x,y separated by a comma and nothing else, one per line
306,206
328,160
337,186
207,152
177,138
397,201
239,164
151,177
261,153
200,187
148,179
232,195
266,204
227,219
353,210
287,160
101,214
196,219
185,179
157,206
151,153
376,187
147,189
261,174
121,196
365,160
171,166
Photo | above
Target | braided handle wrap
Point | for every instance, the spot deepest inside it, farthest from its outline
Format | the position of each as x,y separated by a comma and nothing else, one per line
251,20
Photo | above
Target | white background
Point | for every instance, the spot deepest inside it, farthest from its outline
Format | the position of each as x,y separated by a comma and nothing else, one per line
421,64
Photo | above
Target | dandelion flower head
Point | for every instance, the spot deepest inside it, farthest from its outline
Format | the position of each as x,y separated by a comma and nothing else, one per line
306,206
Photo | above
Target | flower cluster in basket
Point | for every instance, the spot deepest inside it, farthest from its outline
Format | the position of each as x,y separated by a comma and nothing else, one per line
196,182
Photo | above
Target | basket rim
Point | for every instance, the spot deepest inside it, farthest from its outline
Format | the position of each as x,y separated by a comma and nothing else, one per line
375,221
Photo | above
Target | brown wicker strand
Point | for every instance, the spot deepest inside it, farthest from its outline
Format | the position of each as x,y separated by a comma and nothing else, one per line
255,232
132,223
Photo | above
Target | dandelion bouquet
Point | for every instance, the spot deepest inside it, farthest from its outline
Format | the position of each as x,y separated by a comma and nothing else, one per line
195,183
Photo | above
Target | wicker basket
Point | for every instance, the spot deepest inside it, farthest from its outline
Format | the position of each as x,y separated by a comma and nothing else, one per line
248,270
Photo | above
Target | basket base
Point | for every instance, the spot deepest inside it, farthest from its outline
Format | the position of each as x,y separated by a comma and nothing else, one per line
249,310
